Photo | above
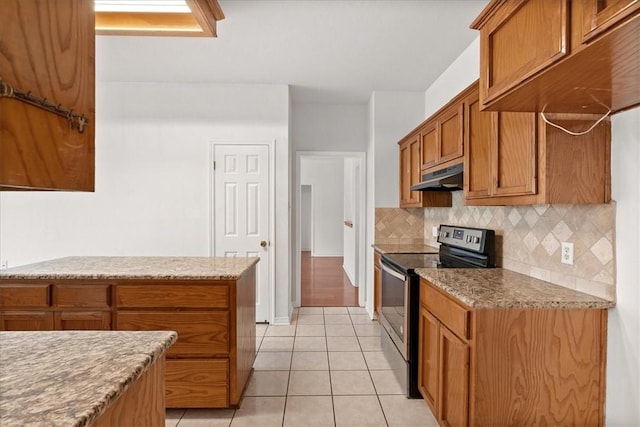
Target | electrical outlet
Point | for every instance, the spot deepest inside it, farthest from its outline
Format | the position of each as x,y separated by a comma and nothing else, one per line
434,231
4,264
566,255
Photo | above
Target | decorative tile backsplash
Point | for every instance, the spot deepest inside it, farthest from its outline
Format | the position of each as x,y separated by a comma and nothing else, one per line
529,238
399,225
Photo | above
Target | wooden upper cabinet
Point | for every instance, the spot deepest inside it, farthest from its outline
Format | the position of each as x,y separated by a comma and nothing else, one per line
514,154
560,56
477,150
429,145
514,158
522,39
601,15
411,174
441,136
47,51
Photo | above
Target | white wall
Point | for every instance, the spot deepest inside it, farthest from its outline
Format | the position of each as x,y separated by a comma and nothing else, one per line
395,114
623,350
152,176
326,175
460,74
623,364
328,127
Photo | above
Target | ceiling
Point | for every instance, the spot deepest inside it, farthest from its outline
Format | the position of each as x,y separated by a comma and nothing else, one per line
328,51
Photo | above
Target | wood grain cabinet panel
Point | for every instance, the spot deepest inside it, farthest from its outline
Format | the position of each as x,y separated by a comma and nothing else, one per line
514,158
162,295
82,295
454,380
377,284
538,366
26,321
82,320
429,358
199,333
561,56
47,49
411,174
601,15
429,144
197,383
24,295
450,135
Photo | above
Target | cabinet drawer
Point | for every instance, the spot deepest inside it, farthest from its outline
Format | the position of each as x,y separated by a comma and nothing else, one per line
199,333
447,311
26,321
197,383
77,296
173,295
24,295
83,320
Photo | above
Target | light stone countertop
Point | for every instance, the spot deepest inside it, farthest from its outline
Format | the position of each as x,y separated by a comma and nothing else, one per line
500,288
404,248
155,268
69,378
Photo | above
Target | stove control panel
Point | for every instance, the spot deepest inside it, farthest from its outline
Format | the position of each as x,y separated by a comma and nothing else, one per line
467,238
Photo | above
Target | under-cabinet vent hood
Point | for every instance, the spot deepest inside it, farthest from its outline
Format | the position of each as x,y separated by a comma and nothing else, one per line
447,179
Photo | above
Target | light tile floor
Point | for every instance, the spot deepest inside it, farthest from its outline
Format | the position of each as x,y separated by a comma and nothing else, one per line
326,369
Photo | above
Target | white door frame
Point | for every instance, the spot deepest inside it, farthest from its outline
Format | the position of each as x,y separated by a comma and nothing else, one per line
360,222
271,144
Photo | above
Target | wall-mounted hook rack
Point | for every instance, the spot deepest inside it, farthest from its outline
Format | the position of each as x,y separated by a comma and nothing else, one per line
76,121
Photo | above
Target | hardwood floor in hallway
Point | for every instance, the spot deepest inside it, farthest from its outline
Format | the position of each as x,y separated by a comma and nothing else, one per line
323,283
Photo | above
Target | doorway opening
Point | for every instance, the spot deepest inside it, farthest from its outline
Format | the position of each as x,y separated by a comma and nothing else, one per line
329,233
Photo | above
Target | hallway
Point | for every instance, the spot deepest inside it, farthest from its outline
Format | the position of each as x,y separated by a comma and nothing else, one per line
323,282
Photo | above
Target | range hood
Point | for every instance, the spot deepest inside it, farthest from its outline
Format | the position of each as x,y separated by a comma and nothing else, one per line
447,179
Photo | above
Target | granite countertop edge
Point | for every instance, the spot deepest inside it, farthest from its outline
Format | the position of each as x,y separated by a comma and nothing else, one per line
110,399
457,283
153,346
133,268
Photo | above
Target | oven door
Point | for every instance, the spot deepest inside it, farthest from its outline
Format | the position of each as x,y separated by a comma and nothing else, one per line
395,311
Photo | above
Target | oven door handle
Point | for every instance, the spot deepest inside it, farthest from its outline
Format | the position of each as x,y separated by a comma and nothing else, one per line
394,273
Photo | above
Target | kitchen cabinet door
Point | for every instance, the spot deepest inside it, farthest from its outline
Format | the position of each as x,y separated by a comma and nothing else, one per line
377,284
429,145
477,152
48,50
26,321
454,381
428,358
601,15
514,155
510,55
450,141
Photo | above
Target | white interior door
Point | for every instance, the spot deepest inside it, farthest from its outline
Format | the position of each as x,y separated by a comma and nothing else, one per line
241,211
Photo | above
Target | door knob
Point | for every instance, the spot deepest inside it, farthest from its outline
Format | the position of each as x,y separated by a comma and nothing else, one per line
263,243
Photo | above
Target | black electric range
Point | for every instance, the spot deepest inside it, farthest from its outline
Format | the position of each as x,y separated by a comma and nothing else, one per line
460,247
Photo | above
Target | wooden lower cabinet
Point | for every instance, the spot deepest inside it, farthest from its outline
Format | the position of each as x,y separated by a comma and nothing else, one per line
534,366
197,383
211,362
82,320
377,284
26,321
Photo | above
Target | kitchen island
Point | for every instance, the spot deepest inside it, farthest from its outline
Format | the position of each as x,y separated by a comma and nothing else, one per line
83,378
501,348
210,302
